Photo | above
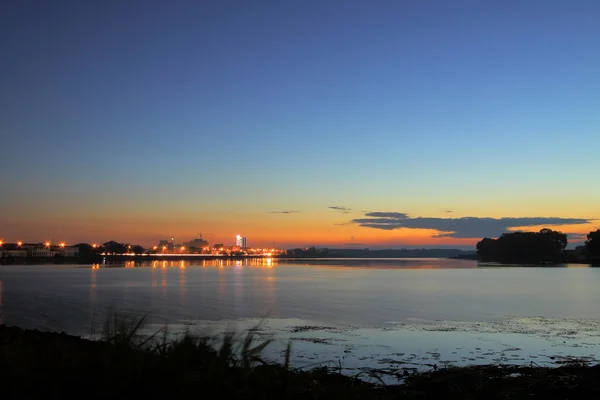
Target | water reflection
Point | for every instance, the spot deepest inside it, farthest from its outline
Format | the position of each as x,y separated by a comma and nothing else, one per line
269,289
182,281
93,291
1,309
154,274
170,289
222,293
221,263
238,286
163,281
269,262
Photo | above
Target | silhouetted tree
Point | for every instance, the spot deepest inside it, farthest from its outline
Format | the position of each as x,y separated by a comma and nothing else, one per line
486,249
85,250
113,247
592,243
137,249
524,247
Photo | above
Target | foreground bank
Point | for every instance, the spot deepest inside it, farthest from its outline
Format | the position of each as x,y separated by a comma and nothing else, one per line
35,364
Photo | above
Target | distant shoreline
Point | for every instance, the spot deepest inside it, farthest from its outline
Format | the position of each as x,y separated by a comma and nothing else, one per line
116,259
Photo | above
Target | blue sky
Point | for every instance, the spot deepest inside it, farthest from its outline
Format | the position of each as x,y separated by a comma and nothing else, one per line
177,110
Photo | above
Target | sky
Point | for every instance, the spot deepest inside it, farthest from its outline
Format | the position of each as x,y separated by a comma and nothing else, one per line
379,124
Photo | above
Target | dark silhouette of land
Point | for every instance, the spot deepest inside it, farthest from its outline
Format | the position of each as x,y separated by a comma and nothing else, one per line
314,252
543,247
47,365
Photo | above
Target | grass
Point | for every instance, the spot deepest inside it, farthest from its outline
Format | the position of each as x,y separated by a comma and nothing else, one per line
126,363
241,351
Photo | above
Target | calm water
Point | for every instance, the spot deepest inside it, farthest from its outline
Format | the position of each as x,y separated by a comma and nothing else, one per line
433,305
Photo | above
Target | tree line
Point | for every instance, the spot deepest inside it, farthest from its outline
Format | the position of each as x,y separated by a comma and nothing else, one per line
545,246
111,248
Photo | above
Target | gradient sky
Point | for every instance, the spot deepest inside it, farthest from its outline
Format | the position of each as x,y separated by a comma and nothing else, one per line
298,122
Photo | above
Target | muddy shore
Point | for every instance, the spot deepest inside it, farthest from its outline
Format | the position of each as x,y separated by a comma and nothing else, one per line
41,364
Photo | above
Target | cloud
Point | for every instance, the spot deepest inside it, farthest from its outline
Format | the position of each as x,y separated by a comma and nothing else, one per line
460,228
343,210
284,212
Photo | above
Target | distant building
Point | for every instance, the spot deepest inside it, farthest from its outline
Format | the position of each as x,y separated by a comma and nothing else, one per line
165,245
12,250
39,250
241,242
70,251
196,244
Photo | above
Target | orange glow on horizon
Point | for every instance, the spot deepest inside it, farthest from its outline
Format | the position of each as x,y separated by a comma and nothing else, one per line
269,231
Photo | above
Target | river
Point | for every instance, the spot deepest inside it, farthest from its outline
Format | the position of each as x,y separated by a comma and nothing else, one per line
356,313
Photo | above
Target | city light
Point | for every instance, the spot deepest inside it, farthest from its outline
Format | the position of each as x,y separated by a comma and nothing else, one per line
196,247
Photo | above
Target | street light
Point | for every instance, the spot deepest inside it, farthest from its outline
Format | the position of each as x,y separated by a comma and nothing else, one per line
62,244
19,243
47,244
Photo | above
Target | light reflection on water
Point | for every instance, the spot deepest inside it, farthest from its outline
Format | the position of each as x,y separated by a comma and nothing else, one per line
365,294
1,308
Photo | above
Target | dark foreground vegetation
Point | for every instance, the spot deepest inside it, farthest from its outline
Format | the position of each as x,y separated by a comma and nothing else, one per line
37,364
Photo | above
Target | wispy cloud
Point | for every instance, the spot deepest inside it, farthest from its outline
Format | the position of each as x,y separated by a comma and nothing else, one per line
284,212
463,228
343,210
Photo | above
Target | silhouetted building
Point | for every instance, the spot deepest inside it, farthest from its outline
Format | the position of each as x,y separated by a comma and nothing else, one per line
165,245
39,250
70,251
12,250
196,244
